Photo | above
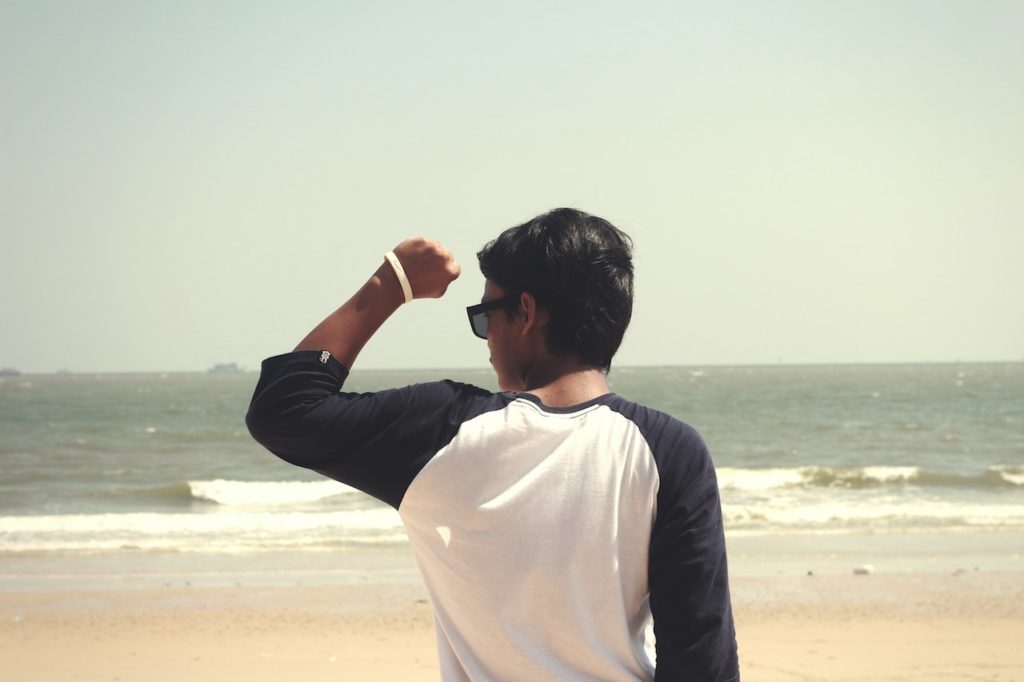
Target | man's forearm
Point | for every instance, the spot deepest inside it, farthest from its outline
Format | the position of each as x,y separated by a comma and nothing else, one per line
429,267
345,331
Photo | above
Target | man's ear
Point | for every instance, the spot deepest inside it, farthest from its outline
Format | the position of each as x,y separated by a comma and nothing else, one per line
534,316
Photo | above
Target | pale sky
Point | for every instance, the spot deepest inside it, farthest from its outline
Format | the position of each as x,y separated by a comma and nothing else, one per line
186,183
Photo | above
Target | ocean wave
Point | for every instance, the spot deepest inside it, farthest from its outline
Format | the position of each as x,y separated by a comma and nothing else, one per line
892,514
248,528
997,476
1012,473
238,530
244,493
227,531
225,493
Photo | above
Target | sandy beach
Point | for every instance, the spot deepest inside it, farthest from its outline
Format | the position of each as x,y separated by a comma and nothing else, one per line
296,617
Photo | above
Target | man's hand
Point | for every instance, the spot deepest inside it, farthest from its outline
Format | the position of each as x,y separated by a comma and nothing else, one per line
429,266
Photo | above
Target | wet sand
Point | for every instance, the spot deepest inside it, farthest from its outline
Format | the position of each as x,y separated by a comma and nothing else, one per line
801,613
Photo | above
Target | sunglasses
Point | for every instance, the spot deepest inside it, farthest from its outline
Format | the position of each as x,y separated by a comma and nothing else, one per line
479,314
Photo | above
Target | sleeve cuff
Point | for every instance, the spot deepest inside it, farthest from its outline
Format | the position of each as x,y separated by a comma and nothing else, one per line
306,360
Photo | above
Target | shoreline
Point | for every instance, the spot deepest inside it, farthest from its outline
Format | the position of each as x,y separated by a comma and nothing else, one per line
913,552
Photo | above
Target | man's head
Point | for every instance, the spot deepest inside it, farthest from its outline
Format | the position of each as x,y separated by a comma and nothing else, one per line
579,268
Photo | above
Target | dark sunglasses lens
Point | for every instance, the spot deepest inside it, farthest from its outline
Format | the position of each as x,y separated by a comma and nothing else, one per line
480,325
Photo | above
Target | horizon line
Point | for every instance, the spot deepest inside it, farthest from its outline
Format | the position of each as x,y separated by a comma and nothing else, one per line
244,370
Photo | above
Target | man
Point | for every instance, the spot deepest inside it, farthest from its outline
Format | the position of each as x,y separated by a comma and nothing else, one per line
550,521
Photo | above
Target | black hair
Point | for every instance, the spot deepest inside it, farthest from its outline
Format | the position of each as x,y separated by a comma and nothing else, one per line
580,268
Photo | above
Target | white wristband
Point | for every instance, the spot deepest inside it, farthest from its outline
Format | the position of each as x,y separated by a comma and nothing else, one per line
396,265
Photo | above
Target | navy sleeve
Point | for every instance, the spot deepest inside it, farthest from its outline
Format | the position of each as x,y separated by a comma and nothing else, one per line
375,442
687,570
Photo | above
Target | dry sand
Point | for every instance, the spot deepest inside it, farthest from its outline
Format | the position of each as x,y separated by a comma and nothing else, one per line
935,626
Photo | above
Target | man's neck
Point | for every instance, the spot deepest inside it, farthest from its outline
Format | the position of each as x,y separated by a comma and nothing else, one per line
566,383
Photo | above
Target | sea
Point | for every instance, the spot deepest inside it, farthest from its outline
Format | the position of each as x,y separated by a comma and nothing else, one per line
108,464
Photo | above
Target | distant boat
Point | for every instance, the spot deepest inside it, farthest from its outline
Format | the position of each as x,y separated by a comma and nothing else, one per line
9,372
225,368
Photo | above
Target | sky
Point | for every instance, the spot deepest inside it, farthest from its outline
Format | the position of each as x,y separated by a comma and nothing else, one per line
187,183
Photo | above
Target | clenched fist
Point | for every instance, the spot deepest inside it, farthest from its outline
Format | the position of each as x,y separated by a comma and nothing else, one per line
429,266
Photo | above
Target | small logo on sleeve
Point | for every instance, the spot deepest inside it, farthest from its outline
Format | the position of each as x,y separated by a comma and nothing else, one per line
324,357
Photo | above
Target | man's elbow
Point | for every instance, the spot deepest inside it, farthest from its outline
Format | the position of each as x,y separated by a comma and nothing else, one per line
259,422
285,436
266,428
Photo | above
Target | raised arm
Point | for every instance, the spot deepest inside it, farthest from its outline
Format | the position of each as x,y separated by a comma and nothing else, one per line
430,268
363,440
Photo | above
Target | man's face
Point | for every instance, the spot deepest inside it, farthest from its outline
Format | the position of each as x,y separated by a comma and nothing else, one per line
503,342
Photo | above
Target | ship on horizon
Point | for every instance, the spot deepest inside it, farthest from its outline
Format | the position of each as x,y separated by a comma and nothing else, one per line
225,368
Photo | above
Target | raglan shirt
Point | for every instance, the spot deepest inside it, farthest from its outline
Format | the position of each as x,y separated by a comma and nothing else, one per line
548,538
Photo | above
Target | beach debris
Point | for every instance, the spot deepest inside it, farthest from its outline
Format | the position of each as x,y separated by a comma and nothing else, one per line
810,573
864,569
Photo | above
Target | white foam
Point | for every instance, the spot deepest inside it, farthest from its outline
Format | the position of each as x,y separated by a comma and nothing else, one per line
783,477
265,493
1010,473
888,474
220,531
759,479
870,513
